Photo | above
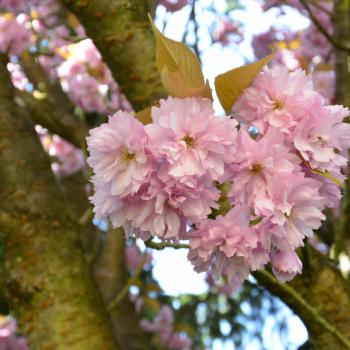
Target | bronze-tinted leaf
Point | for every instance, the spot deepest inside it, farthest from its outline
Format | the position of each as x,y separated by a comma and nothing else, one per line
230,85
179,68
144,116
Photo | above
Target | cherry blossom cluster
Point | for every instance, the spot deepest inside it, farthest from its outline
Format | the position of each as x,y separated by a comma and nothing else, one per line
308,49
88,81
291,169
8,338
283,164
157,179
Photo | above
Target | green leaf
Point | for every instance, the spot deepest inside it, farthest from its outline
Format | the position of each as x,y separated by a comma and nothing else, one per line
179,67
230,85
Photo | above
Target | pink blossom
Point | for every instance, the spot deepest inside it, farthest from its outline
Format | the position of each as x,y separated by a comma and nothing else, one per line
70,158
226,244
173,5
320,134
226,31
162,326
288,58
161,210
278,192
138,217
88,81
144,214
263,43
118,153
190,139
285,264
181,342
15,36
135,259
66,158
273,97
324,83
12,5
267,4
8,338
294,207
256,161
18,77
221,285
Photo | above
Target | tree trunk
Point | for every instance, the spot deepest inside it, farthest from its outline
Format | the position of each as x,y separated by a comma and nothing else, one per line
121,31
43,272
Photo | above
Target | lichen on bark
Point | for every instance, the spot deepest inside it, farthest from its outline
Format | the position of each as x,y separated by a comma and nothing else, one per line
43,272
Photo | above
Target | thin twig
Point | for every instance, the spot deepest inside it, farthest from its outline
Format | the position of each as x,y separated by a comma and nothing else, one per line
320,7
86,217
195,24
163,245
124,292
322,30
298,299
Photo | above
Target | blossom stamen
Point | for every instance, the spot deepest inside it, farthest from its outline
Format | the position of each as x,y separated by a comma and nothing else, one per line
256,168
277,105
127,155
188,140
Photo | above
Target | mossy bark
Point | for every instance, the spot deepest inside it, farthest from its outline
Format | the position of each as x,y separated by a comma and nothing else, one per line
111,275
322,287
43,272
121,31
341,22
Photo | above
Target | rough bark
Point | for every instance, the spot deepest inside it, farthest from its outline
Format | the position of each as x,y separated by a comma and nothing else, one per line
323,288
121,31
341,21
75,193
54,110
43,272
107,258
57,121
110,270
111,275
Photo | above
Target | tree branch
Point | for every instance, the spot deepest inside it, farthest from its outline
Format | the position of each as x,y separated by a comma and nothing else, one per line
299,302
111,275
38,77
105,256
338,45
55,120
323,289
43,272
121,31
342,96
163,245
125,291
195,25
